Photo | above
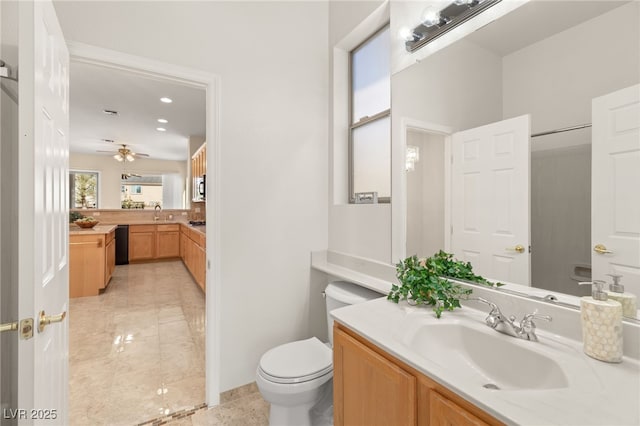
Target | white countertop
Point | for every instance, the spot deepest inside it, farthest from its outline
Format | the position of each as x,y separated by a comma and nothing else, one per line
598,393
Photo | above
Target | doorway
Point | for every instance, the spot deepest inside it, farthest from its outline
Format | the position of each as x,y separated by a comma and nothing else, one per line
112,60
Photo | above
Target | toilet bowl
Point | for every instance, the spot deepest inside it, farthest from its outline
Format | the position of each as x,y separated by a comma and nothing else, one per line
296,378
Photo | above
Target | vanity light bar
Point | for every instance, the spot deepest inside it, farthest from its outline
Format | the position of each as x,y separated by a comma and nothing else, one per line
451,16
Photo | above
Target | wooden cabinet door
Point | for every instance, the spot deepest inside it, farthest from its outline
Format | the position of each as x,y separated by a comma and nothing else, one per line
199,266
142,242
184,241
444,412
110,266
167,244
369,389
86,265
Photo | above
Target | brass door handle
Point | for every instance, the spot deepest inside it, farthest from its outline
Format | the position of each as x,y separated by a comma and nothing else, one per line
519,248
601,249
44,319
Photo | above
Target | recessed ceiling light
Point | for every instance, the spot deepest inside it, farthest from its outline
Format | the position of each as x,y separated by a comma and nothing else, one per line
110,112
108,140
161,129
162,120
166,100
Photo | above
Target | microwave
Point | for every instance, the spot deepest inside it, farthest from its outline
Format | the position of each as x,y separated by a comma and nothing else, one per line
200,188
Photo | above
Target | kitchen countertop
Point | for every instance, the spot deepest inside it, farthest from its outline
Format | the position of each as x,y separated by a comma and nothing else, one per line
102,225
599,393
98,229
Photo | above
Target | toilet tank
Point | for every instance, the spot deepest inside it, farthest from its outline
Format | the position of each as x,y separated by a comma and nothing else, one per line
342,293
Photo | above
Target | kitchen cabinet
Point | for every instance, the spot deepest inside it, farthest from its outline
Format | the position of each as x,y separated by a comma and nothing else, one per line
167,241
199,162
110,255
142,242
151,242
92,261
372,387
193,253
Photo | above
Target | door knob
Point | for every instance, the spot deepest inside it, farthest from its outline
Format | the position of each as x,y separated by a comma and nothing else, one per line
601,249
44,319
519,248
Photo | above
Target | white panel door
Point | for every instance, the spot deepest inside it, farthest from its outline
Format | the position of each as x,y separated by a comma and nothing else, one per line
615,199
490,199
43,213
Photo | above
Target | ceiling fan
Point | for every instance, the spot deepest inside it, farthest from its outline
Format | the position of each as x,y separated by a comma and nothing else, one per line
125,154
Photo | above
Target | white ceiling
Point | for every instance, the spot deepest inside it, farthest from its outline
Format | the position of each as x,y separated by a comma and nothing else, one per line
136,97
536,21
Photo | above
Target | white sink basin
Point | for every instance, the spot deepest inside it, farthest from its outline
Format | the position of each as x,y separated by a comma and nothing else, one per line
491,359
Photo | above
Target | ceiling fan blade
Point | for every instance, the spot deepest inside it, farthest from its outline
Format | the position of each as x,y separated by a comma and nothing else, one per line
108,152
139,154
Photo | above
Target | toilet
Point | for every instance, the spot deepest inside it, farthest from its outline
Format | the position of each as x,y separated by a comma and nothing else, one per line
296,378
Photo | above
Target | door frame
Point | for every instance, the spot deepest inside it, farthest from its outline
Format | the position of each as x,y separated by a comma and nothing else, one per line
399,190
85,53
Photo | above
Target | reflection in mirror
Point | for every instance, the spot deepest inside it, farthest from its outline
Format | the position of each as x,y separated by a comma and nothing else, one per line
581,66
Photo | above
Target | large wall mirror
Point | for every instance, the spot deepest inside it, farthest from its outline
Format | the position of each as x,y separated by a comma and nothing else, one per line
489,178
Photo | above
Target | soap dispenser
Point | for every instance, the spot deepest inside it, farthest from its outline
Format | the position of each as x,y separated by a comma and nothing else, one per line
601,324
627,300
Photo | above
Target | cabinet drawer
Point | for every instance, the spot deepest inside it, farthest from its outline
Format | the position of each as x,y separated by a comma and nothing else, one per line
198,238
141,228
174,227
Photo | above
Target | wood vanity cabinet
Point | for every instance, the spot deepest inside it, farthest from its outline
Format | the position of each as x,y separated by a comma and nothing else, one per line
168,241
371,387
92,260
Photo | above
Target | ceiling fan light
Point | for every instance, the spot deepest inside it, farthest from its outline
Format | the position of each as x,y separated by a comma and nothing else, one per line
130,157
118,157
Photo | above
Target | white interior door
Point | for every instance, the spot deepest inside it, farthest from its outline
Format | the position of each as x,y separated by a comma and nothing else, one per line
490,199
43,280
615,186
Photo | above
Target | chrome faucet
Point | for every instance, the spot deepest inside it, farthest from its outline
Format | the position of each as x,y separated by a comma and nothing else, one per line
156,214
526,329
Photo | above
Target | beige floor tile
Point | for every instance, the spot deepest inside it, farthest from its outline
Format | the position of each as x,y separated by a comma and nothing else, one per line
117,353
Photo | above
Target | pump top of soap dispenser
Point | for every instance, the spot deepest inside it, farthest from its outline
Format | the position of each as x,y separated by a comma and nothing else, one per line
616,287
597,289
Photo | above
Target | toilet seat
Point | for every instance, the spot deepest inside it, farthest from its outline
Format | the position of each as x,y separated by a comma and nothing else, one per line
296,362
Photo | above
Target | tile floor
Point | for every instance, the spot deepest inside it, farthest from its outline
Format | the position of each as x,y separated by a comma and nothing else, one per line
136,353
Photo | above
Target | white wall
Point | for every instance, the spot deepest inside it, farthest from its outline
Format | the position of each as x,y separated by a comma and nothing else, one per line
273,64
111,171
425,195
360,230
556,78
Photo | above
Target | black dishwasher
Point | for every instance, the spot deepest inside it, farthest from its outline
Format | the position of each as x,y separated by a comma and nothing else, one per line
122,245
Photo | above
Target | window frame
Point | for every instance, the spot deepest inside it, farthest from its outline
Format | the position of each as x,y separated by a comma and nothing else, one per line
364,120
72,187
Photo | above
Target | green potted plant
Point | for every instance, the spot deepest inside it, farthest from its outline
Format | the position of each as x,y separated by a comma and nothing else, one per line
425,281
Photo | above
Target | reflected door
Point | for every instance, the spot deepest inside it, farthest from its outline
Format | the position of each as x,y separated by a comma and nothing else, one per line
490,199
615,205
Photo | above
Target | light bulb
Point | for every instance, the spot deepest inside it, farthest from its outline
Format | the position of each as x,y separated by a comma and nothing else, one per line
118,157
430,17
130,157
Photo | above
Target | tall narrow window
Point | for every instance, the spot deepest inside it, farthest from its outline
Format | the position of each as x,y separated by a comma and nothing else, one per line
83,189
370,122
